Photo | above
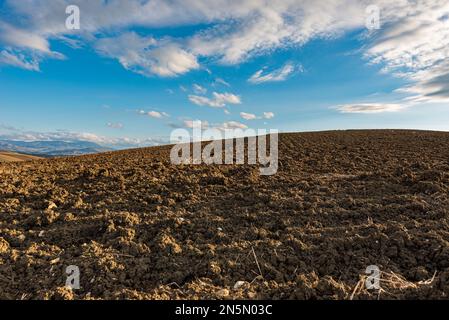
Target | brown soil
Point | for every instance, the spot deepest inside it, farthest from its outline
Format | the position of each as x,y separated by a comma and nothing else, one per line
141,228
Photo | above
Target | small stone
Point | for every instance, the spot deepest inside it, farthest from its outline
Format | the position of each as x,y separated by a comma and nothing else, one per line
51,205
214,267
4,245
239,284
223,293
41,234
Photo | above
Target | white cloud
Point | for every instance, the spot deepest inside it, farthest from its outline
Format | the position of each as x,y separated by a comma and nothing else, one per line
268,115
171,61
238,29
19,60
415,45
369,108
144,55
258,27
277,75
190,124
204,101
222,82
23,39
154,114
220,126
227,98
248,116
413,42
199,89
24,49
232,125
219,100
115,125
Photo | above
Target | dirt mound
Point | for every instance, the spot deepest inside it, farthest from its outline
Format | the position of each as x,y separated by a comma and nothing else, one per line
140,228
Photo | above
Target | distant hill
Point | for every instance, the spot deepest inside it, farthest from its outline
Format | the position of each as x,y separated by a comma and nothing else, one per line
15,157
52,148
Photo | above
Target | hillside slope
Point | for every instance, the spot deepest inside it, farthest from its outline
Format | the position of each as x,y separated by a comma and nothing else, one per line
52,148
139,227
6,156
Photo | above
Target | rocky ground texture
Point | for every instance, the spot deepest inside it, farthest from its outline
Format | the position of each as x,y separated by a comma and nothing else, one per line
139,227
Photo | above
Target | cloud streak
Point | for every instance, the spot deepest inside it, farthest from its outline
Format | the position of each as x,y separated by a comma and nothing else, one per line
369,108
248,116
277,75
115,125
218,100
154,114
251,116
228,125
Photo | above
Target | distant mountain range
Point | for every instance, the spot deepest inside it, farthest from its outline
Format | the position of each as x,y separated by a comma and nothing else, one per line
52,148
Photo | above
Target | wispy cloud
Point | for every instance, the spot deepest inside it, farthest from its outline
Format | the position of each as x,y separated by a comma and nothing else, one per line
191,123
238,30
277,75
221,81
115,125
251,116
228,125
154,114
24,49
218,100
248,116
18,59
415,45
369,108
232,125
268,115
199,89
413,42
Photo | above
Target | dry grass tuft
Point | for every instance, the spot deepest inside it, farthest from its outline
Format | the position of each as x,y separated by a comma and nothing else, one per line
391,285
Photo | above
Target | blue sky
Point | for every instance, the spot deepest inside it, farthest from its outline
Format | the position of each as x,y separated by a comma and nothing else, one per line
129,76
